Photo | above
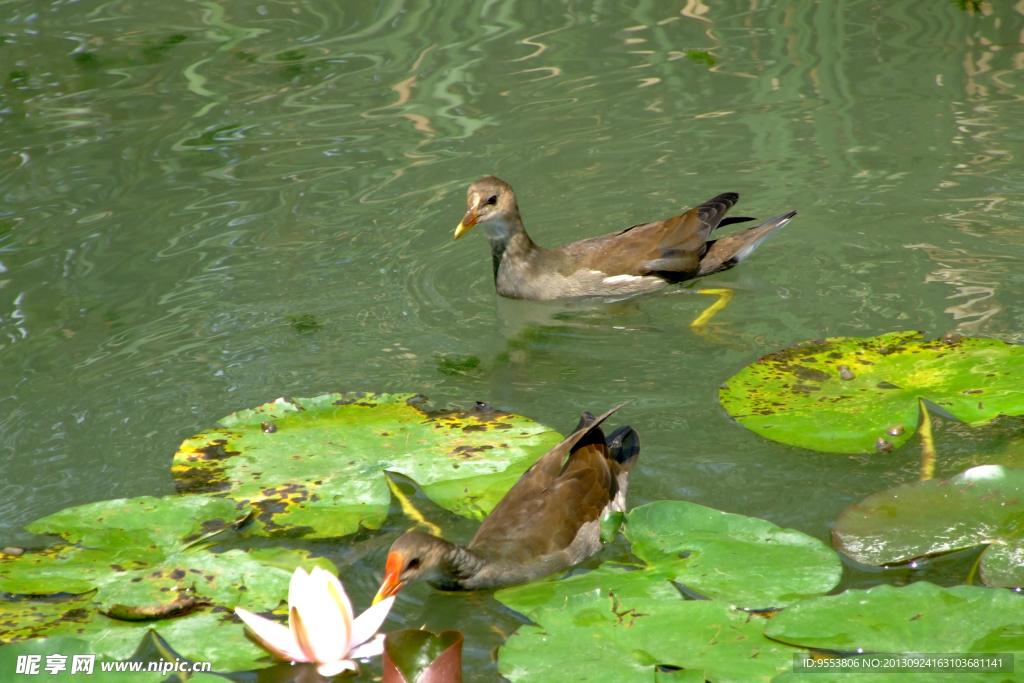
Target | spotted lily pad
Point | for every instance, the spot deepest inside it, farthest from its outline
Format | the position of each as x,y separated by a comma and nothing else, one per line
845,394
137,553
744,561
127,566
597,637
314,467
921,617
982,506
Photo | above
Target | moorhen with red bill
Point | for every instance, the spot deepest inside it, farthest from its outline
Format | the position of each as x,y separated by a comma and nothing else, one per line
639,259
548,521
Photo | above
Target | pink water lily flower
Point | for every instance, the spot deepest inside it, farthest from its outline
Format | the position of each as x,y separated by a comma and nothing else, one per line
321,628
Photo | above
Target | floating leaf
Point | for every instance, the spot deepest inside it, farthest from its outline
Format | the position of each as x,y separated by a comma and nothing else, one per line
315,467
600,638
799,395
984,505
202,637
136,554
748,562
921,617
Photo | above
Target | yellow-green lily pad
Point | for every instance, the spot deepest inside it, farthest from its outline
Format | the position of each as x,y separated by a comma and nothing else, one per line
315,467
851,395
982,506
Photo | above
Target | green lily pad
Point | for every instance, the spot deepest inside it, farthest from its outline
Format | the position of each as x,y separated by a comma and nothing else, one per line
314,467
594,637
208,636
799,395
903,677
136,553
984,505
921,617
747,562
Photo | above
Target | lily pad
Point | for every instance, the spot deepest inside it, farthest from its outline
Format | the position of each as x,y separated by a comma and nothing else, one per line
844,394
921,617
594,637
747,562
984,505
136,553
208,636
314,467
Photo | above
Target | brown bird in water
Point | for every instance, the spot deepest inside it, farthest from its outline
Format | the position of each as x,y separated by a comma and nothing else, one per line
639,259
548,521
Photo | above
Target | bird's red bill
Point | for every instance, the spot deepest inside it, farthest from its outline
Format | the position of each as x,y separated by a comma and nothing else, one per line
392,570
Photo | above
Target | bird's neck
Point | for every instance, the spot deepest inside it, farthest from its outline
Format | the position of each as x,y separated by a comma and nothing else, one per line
459,565
507,236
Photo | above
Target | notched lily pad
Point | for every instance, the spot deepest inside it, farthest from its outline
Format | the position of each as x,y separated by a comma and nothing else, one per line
749,562
320,471
982,506
604,638
844,394
921,617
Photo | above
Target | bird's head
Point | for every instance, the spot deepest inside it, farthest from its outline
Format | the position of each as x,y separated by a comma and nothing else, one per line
490,202
413,557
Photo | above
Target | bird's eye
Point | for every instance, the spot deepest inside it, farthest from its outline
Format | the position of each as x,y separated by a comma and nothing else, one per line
493,199
413,563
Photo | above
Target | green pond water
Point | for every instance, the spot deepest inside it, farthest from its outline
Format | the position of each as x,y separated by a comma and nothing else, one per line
206,205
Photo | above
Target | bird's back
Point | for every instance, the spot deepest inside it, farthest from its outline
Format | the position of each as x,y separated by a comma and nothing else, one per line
550,519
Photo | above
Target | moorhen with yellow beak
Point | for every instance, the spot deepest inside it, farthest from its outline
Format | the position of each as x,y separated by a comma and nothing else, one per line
548,521
639,259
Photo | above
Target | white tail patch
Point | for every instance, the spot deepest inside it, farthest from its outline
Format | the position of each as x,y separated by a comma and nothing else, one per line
620,279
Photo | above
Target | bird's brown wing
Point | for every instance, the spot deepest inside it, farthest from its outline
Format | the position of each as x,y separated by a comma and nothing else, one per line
542,513
670,248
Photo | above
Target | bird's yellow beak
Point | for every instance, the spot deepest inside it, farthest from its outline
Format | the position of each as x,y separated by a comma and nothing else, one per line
392,570
468,221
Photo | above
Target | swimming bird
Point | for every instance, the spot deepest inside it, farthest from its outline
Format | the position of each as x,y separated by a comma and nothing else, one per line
548,521
642,258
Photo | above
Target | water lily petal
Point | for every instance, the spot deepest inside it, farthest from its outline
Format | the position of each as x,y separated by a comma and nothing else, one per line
340,597
325,628
275,637
336,667
368,623
301,634
374,648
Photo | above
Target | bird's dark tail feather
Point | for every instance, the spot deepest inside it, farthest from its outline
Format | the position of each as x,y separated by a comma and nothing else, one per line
726,252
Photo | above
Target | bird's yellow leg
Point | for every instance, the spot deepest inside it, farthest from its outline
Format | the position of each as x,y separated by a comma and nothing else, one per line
409,509
724,297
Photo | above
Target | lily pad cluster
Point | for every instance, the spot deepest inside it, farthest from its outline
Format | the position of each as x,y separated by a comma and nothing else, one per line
315,467
850,395
982,506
